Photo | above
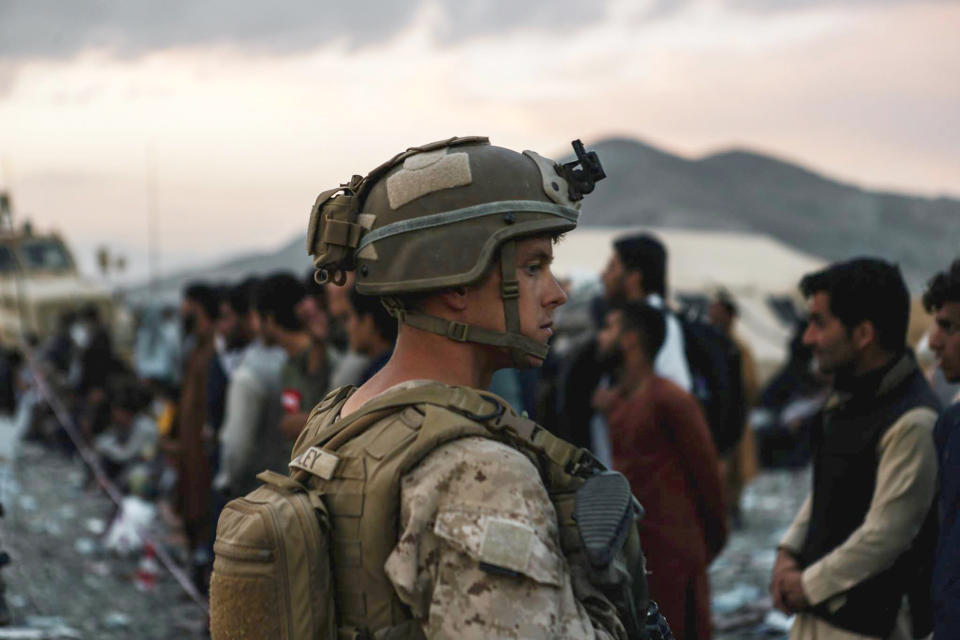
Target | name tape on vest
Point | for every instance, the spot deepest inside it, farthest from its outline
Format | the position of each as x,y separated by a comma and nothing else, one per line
316,461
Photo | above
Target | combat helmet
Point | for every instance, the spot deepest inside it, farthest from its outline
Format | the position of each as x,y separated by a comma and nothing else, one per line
436,216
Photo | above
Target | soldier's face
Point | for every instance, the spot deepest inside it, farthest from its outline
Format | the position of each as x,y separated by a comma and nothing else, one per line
539,294
945,340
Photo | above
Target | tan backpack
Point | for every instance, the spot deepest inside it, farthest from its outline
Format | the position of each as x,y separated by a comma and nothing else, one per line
272,574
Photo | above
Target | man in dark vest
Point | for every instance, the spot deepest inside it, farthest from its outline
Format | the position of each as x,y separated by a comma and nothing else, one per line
863,539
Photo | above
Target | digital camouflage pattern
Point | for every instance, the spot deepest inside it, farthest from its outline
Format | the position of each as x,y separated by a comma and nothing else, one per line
479,553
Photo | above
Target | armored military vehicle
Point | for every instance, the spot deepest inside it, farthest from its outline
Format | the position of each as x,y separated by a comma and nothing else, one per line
39,280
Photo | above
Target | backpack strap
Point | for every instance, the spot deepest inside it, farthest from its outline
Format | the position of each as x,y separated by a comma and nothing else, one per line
461,399
316,454
527,433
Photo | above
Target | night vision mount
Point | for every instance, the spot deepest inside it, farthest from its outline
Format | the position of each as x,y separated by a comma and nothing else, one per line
583,178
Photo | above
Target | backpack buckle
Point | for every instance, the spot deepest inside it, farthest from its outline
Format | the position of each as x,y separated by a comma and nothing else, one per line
498,410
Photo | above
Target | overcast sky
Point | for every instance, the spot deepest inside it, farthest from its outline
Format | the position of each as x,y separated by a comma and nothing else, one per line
248,111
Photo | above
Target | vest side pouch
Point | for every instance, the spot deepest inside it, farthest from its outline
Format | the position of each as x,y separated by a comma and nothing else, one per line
271,572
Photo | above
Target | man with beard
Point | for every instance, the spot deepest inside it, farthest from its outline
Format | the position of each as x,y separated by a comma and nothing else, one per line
942,298
661,443
861,540
635,271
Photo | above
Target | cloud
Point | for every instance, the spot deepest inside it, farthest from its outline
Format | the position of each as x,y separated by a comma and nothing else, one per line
789,5
468,18
53,29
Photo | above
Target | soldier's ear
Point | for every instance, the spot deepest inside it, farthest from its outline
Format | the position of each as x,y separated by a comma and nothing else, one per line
455,298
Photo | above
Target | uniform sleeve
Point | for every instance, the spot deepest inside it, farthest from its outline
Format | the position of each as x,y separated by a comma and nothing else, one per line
698,454
479,554
906,484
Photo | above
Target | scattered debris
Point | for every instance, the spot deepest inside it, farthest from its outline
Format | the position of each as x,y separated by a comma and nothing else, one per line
60,583
26,633
96,526
44,622
136,515
734,599
145,577
115,619
84,546
741,605
778,621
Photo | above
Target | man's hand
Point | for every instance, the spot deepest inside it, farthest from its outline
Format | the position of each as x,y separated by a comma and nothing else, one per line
791,589
785,563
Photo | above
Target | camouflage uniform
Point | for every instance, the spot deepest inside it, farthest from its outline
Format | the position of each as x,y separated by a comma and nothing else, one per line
476,501
479,546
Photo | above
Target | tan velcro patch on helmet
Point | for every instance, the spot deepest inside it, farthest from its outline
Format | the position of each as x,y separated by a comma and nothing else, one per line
425,173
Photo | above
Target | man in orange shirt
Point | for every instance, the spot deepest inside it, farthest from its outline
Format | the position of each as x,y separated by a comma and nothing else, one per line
662,444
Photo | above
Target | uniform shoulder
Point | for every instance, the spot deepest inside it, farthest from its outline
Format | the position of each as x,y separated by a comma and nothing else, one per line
476,470
480,452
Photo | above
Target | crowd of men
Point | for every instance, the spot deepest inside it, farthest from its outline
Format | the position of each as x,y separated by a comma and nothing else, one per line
219,391
256,358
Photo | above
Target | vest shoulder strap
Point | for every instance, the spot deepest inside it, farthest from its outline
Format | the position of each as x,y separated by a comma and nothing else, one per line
326,432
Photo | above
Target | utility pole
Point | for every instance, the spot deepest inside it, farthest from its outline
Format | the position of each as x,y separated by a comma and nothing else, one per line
153,223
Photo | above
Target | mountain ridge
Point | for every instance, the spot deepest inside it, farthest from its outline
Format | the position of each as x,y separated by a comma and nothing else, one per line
734,189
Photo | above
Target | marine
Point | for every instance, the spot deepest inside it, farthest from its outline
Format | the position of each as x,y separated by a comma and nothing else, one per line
450,515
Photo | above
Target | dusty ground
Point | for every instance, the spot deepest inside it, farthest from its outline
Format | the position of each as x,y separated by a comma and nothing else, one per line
61,580
63,584
739,577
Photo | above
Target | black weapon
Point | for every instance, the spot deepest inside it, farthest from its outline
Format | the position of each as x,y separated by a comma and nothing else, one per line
582,180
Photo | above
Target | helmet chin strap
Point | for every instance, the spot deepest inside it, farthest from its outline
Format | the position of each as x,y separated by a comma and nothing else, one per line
510,294
520,346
